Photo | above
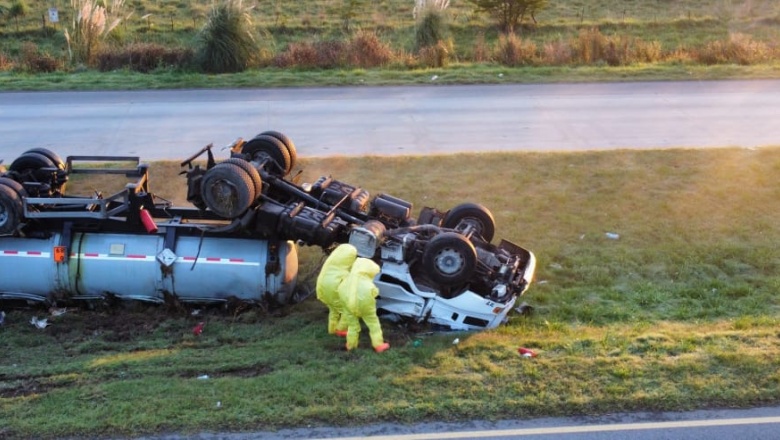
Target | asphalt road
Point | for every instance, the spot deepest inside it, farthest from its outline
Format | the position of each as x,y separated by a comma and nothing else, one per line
748,424
397,120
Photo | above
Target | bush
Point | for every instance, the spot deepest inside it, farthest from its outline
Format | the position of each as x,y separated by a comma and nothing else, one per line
557,53
437,55
431,28
481,53
5,62
144,58
226,44
36,62
590,46
647,52
302,54
513,51
740,49
367,50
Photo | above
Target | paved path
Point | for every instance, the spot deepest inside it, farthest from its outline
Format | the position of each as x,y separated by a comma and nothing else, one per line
397,120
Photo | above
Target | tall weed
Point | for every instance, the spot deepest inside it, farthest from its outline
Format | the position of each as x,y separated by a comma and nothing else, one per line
93,21
367,50
738,49
514,51
226,43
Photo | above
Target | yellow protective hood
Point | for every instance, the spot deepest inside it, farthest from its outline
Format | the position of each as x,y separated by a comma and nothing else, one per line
333,272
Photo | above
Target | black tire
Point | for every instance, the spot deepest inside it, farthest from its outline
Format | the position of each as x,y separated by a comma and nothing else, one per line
227,190
52,156
287,143
251,171
11,210
449,259
14,185
31,161
265,146
474,214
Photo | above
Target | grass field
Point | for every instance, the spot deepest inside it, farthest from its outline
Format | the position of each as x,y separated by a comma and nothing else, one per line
658,39
680,312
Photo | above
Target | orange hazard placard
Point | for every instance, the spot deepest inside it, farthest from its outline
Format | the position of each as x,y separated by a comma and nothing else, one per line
60,254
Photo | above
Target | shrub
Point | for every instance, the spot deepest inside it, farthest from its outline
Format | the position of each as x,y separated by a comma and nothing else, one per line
513,51
367,50
301,54
226,44
144,57
431,28
617,51
647,52
36,62
557,53
437,55
481,52
739,48
590,46
6,63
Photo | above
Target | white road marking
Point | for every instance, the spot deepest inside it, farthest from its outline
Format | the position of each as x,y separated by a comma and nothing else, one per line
572,429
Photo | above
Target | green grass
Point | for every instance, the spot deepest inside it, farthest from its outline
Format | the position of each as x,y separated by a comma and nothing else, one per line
681,312
676,25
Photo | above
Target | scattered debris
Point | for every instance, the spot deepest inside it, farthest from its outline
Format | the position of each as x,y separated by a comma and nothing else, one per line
612,235
526,352
456,341
198,329
417,343
203,377
57,312
195,312
434,77
219,404
39,323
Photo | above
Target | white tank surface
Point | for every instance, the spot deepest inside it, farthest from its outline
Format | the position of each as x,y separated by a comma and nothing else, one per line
140,267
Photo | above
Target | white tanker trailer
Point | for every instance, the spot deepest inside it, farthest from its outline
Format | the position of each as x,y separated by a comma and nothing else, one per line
239,241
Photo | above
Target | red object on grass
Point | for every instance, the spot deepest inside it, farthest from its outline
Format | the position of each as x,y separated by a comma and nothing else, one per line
198,329
526,352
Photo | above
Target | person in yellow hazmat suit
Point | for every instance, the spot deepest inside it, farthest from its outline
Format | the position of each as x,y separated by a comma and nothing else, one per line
334,271
358,296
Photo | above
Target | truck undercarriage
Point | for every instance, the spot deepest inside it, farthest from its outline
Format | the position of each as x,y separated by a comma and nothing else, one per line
239,240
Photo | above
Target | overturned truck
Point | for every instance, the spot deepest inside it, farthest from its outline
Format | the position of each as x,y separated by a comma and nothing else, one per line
239,241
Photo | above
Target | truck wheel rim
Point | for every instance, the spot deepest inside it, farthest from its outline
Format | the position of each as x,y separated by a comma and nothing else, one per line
449,261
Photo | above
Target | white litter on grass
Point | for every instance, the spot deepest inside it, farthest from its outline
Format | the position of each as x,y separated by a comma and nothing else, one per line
434,77
57,312
203,377
612,235
455,341
39,323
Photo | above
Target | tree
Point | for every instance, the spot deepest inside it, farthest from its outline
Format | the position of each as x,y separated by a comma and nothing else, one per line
510,13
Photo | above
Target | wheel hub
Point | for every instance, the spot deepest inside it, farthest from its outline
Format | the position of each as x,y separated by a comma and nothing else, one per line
449,261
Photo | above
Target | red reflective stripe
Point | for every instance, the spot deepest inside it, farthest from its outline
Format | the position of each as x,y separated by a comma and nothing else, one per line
189,258
11,252
236,260
136,256
33,253
213,259
91,255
